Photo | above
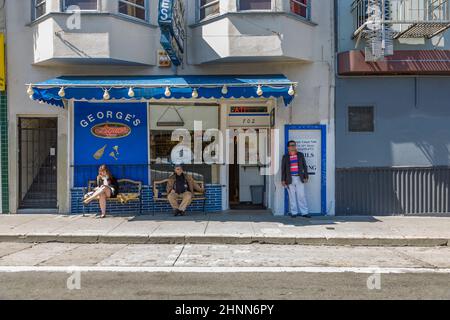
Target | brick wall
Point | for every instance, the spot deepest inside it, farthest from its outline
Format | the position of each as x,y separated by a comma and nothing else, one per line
213,203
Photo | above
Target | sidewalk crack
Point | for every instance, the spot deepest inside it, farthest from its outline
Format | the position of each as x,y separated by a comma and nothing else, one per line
181,251
413,259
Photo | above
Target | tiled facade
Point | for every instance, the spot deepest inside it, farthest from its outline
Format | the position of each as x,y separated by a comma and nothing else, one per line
213,203
4,153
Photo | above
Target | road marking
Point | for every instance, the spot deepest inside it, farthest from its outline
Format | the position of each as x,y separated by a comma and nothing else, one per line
364,270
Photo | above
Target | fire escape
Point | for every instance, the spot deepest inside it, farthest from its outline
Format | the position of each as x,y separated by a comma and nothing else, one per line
380,22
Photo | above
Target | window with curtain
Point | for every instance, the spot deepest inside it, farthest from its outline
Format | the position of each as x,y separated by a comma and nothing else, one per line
209,8
133,8
300,7
38,8
255,4
83,4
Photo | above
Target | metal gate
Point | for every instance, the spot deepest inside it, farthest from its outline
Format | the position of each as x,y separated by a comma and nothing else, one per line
37,163
393,191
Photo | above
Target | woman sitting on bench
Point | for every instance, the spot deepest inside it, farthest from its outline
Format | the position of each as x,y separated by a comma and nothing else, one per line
107,187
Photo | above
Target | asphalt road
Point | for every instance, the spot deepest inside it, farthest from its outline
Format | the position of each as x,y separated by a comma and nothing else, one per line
223,286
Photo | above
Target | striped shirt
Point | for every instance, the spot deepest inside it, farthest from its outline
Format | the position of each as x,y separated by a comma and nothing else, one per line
294,164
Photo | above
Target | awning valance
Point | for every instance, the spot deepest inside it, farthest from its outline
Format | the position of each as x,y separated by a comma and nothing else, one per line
54,91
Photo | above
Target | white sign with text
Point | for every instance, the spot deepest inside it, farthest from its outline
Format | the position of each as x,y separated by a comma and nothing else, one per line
309,142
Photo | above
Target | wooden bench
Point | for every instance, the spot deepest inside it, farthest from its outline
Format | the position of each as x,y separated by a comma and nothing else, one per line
160,192
129,191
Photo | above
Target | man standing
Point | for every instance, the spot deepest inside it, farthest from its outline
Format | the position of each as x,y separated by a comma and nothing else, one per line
180,186
294,175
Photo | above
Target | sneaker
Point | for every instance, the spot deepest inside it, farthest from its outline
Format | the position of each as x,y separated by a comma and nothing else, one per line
176,212
294,215
307,216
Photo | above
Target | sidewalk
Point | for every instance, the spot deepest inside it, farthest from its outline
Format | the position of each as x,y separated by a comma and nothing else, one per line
227,229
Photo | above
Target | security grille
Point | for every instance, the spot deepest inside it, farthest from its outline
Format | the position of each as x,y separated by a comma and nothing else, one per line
37,163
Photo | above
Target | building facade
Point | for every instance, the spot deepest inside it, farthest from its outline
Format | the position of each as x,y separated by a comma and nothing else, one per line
110,80
392,115
4,198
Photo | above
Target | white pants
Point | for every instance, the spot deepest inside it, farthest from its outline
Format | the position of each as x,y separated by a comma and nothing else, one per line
297,197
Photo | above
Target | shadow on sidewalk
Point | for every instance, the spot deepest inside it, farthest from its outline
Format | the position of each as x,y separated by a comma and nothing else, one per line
257,217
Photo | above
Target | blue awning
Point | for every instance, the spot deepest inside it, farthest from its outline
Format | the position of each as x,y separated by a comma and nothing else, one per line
54,91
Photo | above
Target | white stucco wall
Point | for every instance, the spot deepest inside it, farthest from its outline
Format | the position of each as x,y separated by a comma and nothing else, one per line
313,105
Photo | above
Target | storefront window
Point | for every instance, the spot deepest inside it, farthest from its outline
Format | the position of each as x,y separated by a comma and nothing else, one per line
133,8
164,121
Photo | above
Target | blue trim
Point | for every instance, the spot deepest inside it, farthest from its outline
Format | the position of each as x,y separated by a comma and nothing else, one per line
153,87
323,130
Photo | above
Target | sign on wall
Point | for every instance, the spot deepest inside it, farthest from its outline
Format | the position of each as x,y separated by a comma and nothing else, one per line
115,134
248,116
173,29
2,63
311,141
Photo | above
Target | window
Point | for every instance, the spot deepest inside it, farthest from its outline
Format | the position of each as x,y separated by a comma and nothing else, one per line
361,119
38,8
87,5
255,4
209,8
300,7
133,8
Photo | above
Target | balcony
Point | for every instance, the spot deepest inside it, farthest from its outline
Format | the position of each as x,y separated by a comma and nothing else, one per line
237,35
401,18
102,38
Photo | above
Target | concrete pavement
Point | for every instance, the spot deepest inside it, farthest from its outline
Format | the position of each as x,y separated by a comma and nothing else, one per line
227,229
213,257
189,271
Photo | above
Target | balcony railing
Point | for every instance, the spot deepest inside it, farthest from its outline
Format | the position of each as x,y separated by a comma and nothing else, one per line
405,18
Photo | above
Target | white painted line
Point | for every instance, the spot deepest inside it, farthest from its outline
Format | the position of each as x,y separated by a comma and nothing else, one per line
47,269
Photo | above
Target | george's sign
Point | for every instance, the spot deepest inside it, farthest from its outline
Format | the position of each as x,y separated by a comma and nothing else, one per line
111,130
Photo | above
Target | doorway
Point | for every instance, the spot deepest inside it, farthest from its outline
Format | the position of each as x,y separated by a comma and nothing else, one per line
247,187
38,163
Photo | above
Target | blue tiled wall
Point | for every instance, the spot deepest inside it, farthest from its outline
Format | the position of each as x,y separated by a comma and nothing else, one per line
213,203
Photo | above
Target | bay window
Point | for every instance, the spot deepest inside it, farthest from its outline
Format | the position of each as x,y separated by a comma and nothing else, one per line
133,8
255,4
85,5
209,8
300,7
38,8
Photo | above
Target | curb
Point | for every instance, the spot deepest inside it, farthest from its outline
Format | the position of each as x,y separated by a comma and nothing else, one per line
230,240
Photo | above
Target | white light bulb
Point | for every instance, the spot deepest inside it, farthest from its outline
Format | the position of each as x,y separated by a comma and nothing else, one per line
62,93
106,95
194,93
30,90
291,91
259,92
167,93
225,90
131,93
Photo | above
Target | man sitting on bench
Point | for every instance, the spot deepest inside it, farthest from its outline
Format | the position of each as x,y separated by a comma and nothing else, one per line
180,186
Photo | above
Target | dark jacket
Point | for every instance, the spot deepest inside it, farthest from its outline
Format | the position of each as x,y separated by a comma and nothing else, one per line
192,186
286,168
